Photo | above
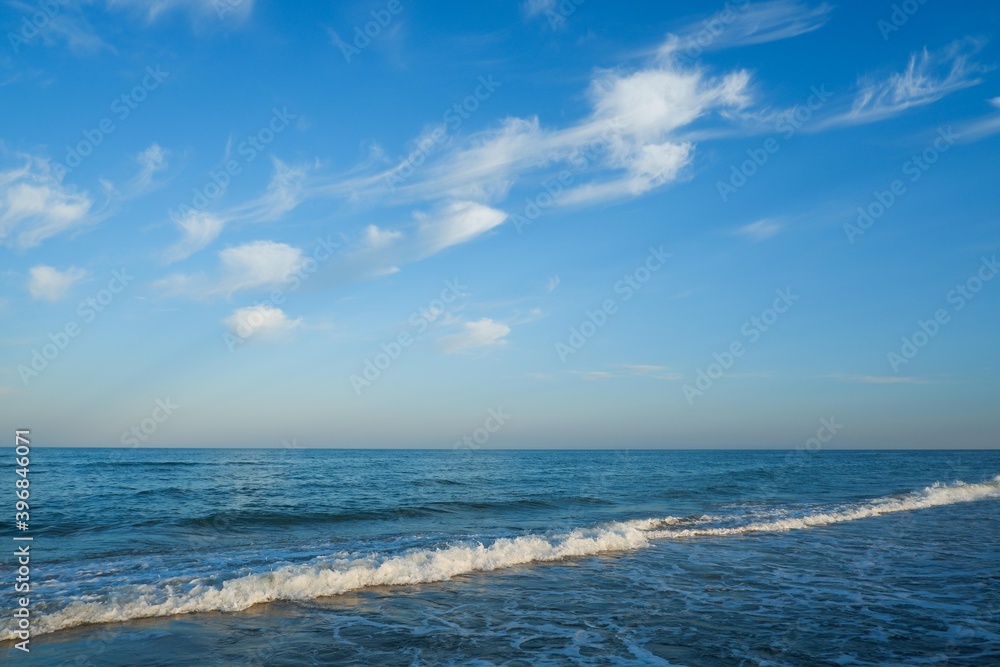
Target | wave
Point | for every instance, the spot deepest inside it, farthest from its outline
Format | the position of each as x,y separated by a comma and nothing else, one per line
932,496
337,576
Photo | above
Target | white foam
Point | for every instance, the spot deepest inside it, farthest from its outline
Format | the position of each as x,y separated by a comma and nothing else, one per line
306,582
932,496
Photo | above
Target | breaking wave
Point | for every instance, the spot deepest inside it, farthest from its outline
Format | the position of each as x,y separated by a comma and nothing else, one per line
336,576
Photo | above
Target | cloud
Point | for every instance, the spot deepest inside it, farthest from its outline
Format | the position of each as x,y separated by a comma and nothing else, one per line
65,24
638,134
745,24
375,238
879,379
199,228
285,191
251,266
260,322
151,161
984,126
35,205
380,251
534,8
455,223
154,9
631,370
482,333
758,231
49,284
929,76
626,145
258,264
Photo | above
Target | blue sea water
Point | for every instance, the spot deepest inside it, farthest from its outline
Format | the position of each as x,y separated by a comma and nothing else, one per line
360,557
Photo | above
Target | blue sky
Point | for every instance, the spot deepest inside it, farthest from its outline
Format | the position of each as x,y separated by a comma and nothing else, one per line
229,223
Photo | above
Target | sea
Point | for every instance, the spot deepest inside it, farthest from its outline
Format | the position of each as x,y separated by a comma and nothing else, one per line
478,557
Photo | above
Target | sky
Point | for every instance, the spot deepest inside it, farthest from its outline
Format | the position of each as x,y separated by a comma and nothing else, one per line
496,225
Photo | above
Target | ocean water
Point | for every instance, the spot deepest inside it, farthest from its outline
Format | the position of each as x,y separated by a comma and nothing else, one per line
305,557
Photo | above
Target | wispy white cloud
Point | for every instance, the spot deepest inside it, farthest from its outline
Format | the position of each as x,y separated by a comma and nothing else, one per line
476,335
742,24
624,147
151,161
758,231
199,9
380,251
35,205
631,370
984,126
49,284
285,191
878,379
929,76
456,222
198,229
65,24
534,8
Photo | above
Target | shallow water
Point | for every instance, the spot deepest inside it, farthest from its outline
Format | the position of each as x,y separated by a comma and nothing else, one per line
299,557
